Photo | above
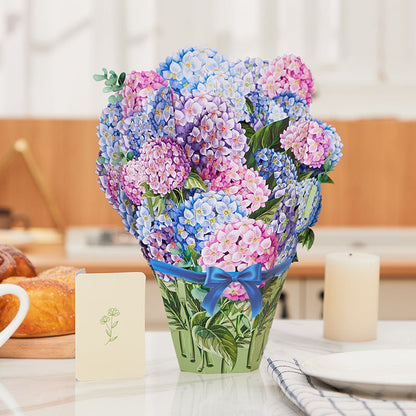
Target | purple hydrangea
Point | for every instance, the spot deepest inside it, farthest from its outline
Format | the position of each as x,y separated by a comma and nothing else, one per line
284,221
158,248
209,131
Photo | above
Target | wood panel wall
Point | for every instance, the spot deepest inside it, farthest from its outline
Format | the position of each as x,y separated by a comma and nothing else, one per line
375,182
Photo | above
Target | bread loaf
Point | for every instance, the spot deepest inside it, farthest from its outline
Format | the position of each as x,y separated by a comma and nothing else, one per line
14,263
52,303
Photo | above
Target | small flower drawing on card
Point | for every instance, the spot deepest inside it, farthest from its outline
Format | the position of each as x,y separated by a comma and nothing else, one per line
110,322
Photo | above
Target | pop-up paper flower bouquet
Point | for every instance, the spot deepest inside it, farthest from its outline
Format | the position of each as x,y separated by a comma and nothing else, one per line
216,168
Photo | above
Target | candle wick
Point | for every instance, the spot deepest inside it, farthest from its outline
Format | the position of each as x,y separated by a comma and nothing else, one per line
350,254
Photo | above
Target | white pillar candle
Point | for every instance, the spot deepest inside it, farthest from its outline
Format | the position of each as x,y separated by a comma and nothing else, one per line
351,296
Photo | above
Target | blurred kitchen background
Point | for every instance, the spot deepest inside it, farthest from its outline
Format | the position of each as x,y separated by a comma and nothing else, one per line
362,54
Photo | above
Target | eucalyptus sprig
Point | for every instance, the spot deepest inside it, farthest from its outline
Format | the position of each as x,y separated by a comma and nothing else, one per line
113,83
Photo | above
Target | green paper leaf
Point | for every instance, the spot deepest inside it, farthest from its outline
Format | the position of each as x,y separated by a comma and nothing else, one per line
324,178
306,237
116,88
194,181
161,203
250,161
249,105
269,136
218,340
199,293
108,332
119,98
305,175
194,255
121,78
105,72
271,182
114,324
98,77
107,89
112,99
309,203
175,251
199,318
171,303
267,212
249,131
101,160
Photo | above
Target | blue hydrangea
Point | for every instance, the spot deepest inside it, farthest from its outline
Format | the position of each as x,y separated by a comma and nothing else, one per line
128,213
199,216
289,104
334,154
283,223
108,132
135,131
280,165
260,102
305,190
288,250
145,224
160,111
196,70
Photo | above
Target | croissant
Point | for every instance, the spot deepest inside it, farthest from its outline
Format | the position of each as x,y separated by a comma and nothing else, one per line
52,303
14,263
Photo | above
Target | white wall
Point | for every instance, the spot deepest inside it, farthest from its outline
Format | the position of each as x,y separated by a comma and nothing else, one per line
362,53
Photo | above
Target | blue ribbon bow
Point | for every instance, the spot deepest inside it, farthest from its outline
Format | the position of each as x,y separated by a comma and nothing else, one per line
217,280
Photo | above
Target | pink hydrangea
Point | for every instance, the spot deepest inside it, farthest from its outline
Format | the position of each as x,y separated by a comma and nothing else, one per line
162,164
114,177
238,245
309,142
235,292
137,88
245,184
131,178
287,73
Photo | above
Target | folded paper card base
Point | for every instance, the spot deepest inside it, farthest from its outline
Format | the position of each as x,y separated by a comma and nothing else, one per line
230,340
110,326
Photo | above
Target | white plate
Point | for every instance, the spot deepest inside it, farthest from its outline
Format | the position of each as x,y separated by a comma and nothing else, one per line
381,373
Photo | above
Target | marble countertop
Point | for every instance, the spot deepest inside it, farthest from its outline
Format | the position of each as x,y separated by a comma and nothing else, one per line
48,387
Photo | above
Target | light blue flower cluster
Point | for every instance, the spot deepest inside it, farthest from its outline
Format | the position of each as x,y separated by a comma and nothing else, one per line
135,130
128,214
145,223
160,111
109,134
199,216
280,165
308,209
289,104
334,154
206,71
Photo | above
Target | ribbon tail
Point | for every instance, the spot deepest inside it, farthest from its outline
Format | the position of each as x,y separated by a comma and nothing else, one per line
211,298
256,298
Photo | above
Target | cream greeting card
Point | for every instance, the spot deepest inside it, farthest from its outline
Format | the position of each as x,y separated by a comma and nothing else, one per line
109,325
